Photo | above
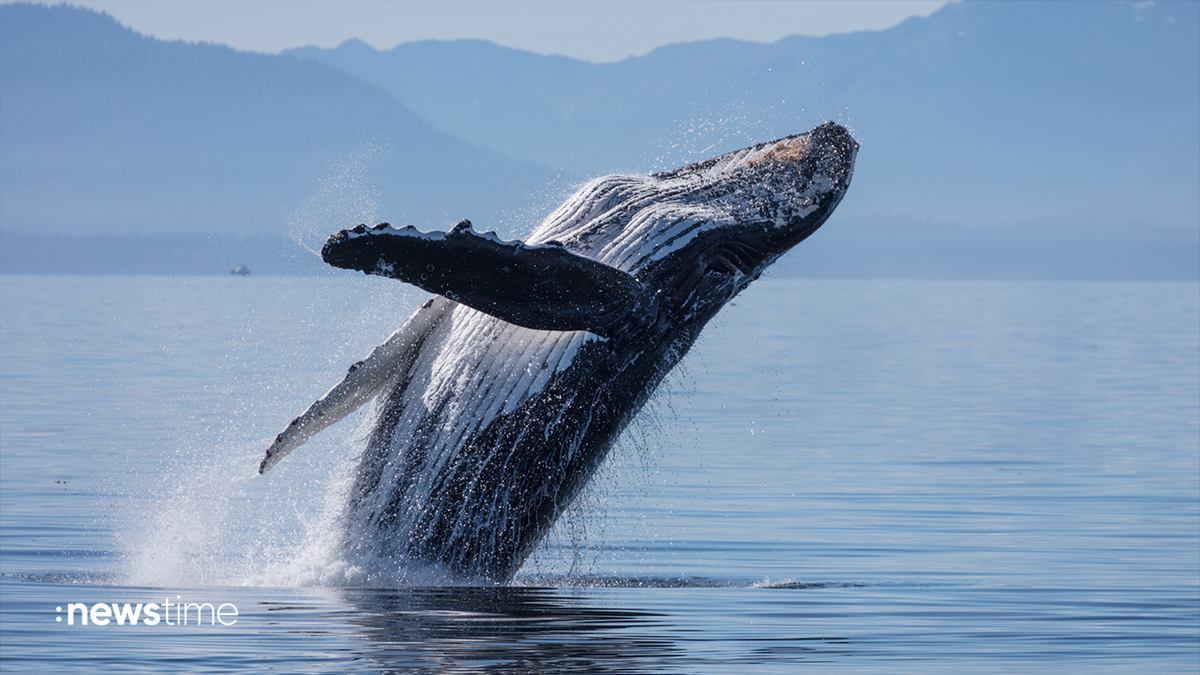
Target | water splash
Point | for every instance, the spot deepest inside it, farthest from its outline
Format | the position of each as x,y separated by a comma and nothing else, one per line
207,519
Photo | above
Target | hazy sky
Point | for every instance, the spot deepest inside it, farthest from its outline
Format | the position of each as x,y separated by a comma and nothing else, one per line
593,30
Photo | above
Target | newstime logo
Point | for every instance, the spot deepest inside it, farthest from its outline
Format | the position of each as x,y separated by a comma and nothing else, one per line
171,613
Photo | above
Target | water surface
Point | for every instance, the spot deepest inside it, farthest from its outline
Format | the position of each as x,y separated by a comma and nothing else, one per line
844,476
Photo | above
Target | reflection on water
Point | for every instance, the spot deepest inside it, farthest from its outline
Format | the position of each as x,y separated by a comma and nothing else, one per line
888,627
508,629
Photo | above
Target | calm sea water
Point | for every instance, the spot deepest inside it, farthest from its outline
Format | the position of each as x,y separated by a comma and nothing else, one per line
844,476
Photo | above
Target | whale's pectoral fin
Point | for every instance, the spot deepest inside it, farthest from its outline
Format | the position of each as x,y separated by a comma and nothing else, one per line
542,287
364,381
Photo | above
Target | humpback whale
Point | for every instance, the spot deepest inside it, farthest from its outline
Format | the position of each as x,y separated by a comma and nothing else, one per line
498,399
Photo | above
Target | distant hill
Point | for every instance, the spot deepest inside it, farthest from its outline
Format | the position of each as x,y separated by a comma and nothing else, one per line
104,131
1000,140
983,114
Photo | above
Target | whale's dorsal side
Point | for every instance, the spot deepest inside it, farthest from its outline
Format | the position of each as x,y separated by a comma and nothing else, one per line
544,287
364,381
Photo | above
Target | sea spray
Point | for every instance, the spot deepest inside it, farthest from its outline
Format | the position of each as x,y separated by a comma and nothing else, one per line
346,195
196,513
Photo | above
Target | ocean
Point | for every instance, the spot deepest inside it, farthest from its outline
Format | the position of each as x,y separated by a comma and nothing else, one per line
842,477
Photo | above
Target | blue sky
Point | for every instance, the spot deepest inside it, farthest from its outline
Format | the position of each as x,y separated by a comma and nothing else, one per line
592,30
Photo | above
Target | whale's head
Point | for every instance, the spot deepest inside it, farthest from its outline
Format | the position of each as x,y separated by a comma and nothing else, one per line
698,235
764,200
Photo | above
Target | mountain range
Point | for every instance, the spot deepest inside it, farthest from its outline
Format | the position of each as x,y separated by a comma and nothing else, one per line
999,140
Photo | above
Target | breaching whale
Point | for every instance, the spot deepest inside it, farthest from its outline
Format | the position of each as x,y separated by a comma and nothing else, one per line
499,398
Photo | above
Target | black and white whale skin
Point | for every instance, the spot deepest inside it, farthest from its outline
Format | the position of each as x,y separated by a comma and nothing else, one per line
500,397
